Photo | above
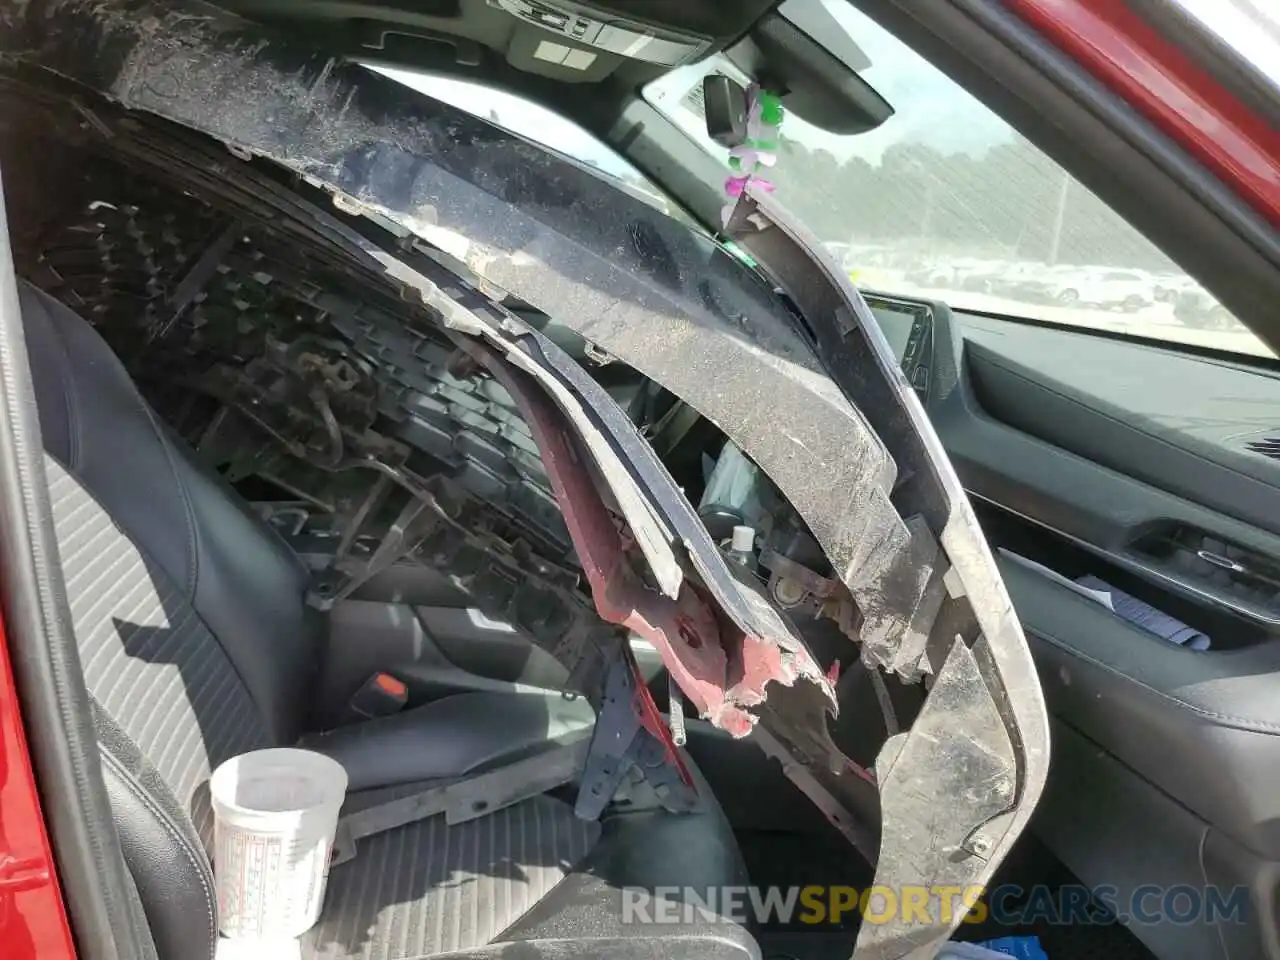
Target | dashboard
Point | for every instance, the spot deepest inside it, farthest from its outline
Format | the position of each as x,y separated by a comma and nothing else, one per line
1153,458
1156,470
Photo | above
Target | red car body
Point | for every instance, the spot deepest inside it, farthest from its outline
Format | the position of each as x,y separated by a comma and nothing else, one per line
33,923
1105,37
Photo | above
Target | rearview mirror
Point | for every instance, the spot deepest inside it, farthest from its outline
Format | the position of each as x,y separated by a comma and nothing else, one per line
812,83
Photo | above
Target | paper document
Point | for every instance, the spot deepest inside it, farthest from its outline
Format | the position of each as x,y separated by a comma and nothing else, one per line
1138,612
1097,596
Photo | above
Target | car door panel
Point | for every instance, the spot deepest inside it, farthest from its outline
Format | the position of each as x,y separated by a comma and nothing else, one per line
1033,450
1122,686
1093,455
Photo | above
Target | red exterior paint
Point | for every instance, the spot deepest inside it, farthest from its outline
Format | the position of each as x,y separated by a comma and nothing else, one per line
685,631
33,924
1154,76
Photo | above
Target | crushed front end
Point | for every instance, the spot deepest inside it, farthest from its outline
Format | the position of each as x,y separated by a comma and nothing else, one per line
516,418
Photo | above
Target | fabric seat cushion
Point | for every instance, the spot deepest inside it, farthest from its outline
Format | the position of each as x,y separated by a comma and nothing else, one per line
430,888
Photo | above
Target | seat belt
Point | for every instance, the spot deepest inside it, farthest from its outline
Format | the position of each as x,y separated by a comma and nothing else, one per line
466,799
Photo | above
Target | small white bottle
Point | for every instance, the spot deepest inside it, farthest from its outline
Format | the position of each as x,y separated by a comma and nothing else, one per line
742,548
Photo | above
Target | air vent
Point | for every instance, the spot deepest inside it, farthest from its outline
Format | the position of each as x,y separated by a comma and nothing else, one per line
1267,446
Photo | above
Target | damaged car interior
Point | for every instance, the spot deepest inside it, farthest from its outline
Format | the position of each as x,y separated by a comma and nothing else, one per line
624,528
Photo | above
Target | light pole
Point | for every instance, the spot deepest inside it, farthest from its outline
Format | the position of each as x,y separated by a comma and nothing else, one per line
1055,239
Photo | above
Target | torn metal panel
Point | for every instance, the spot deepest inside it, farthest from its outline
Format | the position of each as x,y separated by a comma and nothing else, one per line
722,670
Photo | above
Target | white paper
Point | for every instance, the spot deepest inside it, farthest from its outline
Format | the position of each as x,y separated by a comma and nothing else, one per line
1097,596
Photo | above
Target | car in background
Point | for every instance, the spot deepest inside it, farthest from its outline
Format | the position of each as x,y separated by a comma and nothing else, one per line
1196,307
1031,282
1129,290
1168,286
986,276
939,273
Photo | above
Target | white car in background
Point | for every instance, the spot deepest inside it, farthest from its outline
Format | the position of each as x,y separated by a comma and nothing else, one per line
1196,307
1106,287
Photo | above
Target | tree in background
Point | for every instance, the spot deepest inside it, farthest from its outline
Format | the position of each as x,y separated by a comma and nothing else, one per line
1012,201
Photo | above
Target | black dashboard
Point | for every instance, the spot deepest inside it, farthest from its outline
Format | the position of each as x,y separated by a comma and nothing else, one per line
1154,458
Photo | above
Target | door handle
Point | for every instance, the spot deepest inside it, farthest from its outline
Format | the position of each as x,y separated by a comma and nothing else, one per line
1218,560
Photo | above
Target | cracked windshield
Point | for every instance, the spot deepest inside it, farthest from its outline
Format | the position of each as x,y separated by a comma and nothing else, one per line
946,200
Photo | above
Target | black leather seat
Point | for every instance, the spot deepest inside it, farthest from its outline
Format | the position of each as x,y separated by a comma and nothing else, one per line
196,645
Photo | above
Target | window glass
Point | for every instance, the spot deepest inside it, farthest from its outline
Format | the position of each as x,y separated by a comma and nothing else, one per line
946,200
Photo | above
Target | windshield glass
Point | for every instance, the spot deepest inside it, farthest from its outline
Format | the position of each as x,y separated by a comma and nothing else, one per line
946,200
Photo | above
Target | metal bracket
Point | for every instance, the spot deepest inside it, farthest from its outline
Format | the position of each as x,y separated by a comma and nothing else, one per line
630,734
463,800
416,521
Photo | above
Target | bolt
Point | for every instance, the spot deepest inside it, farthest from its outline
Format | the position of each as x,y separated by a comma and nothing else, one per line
787,592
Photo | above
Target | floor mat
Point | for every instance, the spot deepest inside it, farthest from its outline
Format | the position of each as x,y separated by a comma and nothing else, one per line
787,861
796,861
783,945
1032,867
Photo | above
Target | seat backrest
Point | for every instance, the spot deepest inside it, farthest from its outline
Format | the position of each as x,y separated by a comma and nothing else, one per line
189,614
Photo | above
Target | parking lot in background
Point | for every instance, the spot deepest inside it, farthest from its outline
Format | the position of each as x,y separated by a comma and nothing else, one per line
1155,320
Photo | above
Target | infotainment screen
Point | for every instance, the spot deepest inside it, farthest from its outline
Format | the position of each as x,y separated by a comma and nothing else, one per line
896,325
908,326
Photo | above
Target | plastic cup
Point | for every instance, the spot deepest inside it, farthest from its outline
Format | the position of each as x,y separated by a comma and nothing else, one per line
275,813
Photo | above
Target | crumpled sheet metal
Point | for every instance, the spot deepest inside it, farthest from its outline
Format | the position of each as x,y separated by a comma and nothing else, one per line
722,670
662,297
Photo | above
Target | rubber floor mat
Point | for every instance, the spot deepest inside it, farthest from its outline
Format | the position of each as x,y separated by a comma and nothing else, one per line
790,860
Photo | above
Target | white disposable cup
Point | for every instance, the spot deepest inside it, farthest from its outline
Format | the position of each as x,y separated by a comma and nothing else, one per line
275,813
